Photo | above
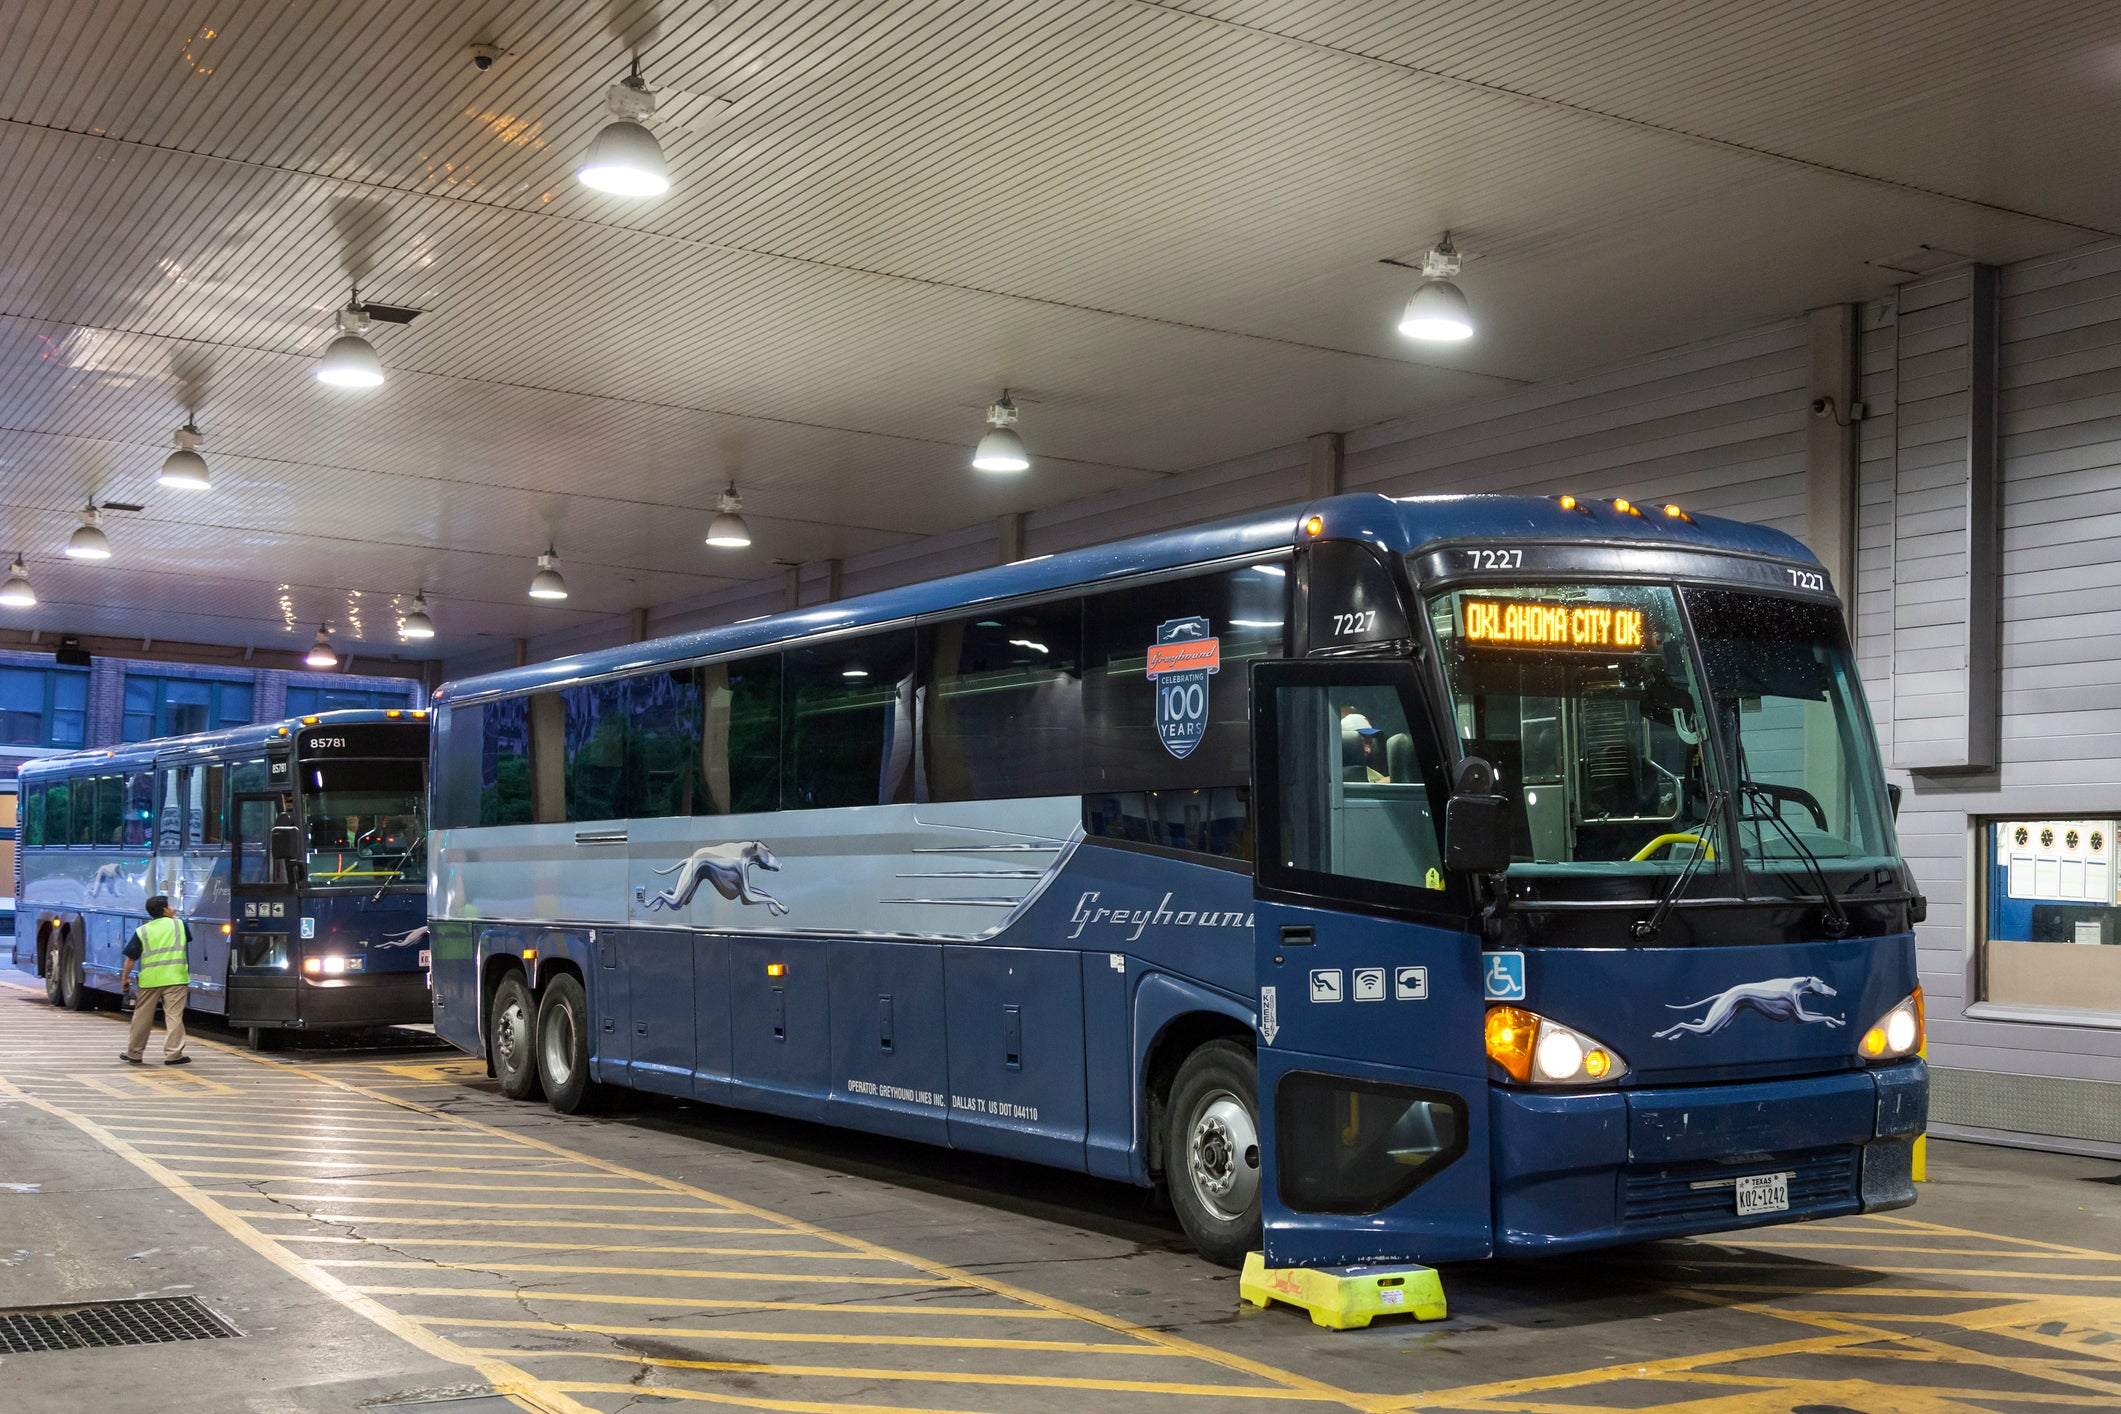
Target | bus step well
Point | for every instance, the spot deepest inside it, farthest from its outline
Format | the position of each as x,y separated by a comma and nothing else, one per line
1346,1298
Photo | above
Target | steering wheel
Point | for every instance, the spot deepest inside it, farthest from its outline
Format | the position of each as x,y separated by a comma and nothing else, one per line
1798,794
1662,840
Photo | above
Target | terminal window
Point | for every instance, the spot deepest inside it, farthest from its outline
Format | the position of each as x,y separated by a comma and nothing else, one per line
2053,918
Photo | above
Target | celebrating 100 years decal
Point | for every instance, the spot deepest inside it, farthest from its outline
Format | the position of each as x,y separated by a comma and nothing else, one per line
1186,654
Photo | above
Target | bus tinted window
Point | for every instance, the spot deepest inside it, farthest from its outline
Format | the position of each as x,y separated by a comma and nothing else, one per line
504,762
662,775
169,825
848,738
1004,703
56,800
84,810
740,740
209,821
33,817
1189,724
594,740
139,808
110,809
1207,821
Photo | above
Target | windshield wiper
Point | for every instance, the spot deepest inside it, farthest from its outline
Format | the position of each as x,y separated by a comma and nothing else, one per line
399,868
1646,928
1834,923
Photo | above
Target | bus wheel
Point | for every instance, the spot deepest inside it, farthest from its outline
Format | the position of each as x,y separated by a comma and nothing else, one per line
52,992
73,992
1211,1151
264,1038
563,1046
510,1037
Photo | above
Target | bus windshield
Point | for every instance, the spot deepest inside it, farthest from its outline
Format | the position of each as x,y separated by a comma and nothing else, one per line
365,821
1587,702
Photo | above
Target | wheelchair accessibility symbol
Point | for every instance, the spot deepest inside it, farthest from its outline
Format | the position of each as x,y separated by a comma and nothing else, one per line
1504,975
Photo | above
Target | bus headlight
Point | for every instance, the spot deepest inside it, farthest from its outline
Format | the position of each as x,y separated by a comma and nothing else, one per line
1536,1051
1896,1034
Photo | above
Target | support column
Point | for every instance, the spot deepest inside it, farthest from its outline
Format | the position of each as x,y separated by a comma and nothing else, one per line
1947,539
1830,454
522,652
1328,460
637,626
1009,538
832,581
792,587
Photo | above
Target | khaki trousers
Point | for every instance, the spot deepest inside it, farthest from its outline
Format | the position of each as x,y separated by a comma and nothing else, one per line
172,1000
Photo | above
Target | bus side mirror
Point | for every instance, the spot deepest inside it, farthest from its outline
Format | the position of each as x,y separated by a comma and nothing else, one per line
1476,826
1892,798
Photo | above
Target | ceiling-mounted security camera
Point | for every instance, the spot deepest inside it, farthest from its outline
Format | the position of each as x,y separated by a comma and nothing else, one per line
483,55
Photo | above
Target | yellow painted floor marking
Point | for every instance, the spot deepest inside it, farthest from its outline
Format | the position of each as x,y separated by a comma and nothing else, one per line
556,1268
940,1377
752,1401
2056,1248
719,1334
506,1378
353,1152
397,1242
393,1220
1781,1245
174,1083
221,1170
461,1202
1176,1345
251,1177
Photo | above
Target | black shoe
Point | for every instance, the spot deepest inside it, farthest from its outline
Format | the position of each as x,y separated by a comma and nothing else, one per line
180,1060
130,1060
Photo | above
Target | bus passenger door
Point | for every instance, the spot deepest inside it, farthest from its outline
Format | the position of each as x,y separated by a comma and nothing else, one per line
260,954
1373,1091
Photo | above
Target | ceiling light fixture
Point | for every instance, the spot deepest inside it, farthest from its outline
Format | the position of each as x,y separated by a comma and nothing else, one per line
416,624
625,159
320,654
1001,449
88,542
546,583
16,593
1438,312
184,469
350,360
728,529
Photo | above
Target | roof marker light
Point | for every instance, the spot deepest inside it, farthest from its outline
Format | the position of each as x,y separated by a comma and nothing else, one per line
1626,507
1314,525
1568,503
1677,514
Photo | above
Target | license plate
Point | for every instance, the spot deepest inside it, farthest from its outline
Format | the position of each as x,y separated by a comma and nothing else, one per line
427,957
1763,1193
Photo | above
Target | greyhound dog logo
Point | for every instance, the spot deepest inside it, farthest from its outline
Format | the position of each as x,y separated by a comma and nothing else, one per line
111,876
728,868
1778,999
414,938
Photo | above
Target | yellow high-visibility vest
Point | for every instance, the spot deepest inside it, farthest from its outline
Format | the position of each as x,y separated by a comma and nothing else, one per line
163,960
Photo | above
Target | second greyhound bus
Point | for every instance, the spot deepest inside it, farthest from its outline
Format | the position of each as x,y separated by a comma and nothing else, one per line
294,851
1391,880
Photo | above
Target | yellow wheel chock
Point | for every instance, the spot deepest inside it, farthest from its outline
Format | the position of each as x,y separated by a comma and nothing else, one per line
1346,1298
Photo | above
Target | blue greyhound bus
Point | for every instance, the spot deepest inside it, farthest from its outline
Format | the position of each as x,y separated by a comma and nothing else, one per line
319,923
1393,880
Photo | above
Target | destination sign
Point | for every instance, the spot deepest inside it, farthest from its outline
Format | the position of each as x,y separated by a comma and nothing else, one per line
1527,624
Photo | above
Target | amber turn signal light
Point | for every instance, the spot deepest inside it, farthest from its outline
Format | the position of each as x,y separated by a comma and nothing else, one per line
1511,1031
1314,525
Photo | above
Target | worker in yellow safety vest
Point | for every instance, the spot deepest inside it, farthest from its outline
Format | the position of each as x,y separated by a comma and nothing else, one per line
161,949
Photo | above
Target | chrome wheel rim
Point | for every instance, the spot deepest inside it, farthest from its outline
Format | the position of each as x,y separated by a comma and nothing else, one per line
1222,1156
557,1052
511,1028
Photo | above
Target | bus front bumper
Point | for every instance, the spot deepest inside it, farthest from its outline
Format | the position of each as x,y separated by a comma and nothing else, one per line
1578,1170
375,999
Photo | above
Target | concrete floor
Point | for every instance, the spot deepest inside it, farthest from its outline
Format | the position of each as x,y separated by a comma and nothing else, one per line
386,1230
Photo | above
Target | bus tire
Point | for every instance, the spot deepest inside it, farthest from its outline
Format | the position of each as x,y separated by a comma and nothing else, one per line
563,1046
264,1038
1211,1151
51,969
511,1038
73,991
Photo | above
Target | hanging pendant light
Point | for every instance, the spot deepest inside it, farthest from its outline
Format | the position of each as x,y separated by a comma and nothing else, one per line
184,469
1438,313
16,593
1001,449
88,542
416,624
546,583
728,530
625,159
350,360
321,654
